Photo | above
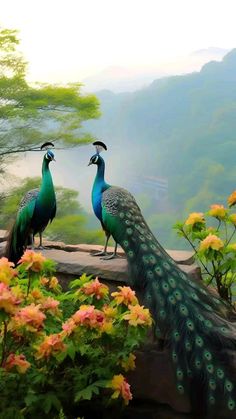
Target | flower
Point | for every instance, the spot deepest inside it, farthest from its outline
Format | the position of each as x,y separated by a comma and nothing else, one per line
231,248
125,296
211,242
68,327
50,304
129,363
36,294
218,211
95,288
53,282
18,361
30,316
44,281
50,346
232,199
32,261
89,316
194,218
8,301
121,387
232,218
110,312
6,271
138,315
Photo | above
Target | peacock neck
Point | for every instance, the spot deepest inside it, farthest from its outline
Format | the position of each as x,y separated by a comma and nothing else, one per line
99,186
47,188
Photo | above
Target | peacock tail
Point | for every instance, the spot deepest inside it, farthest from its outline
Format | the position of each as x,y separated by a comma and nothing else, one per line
192,321
36,209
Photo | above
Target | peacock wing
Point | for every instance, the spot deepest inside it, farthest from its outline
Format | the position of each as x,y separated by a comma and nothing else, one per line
27,199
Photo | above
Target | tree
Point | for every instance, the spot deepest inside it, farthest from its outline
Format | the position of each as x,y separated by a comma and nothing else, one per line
32,115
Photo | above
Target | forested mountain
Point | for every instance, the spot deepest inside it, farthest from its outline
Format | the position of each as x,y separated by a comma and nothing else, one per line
181,129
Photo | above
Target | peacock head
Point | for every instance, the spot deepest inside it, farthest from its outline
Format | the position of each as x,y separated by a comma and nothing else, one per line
49,156
96,158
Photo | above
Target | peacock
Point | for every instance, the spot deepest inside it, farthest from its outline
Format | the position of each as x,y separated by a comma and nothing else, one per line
192,322
36,209
99,187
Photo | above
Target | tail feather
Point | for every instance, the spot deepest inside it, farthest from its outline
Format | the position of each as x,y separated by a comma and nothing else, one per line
193,322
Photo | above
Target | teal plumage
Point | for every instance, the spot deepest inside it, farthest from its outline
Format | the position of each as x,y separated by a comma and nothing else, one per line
36,210
192,321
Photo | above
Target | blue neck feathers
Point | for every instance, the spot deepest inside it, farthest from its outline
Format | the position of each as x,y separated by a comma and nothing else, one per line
99,186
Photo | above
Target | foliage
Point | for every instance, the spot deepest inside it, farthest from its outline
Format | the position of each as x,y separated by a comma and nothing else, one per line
58,349
32,115
211,237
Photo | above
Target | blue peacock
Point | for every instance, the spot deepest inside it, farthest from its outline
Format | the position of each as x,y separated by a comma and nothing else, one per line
193,322
37,208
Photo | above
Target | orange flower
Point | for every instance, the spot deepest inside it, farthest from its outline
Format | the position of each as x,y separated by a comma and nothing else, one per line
36,294
232,218
30,316
89,316
8,301
51,305
53,282
194,218
211,242
6,271
17,361
129,364
95,288
121,387
218,211
50,346
44,281
138,315
125,296
32,261
232,199
68,327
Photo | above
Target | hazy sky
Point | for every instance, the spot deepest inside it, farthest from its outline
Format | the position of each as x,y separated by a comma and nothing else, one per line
69,40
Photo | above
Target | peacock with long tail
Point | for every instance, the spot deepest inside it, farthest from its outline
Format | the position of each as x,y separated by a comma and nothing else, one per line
99,187
37,208
192,322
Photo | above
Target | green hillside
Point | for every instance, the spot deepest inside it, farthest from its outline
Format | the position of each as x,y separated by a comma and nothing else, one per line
182,129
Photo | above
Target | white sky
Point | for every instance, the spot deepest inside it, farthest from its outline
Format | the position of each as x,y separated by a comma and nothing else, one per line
69,40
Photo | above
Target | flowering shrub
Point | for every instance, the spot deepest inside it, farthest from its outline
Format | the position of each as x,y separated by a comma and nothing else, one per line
57,348
211,236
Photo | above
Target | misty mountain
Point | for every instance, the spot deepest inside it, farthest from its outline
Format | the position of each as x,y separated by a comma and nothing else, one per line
120,79
181,129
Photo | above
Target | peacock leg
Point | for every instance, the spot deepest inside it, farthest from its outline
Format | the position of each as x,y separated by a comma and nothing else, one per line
113,255
104,251
40,240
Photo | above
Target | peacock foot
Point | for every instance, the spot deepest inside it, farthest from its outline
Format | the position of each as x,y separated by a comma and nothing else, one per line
101,253
109,257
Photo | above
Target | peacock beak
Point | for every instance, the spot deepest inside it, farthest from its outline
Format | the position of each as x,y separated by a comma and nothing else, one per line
90,163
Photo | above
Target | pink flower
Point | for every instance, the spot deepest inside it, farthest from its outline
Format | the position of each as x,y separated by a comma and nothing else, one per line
89,316
30,316
95,288
17,361
121,387
50,304
68,327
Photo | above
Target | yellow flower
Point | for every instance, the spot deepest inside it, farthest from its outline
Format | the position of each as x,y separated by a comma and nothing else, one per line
53,282
211,242
232,199
194,218
218,211
129,364
125,296
110,312
138,315
231,248
6,271
32,261
232,218
121,387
